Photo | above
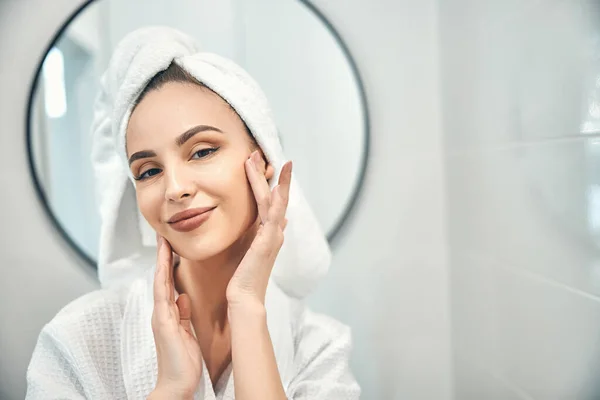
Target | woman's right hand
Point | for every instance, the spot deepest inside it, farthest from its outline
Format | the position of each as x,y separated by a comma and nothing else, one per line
178,353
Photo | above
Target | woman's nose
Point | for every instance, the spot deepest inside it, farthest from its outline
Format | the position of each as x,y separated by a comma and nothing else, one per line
178,186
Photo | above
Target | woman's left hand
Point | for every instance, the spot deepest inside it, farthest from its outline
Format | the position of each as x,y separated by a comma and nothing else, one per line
249,282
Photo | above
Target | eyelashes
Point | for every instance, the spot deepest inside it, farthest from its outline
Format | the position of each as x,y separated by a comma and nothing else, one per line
147,174
200,154
205,152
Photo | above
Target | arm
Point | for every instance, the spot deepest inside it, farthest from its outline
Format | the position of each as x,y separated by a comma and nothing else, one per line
322,344
322,352
177,351
52,372
254,367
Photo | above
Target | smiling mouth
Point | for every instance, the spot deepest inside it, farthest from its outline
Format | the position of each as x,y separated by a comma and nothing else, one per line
189,220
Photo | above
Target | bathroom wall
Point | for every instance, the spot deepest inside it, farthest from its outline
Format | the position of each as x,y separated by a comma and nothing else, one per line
389,277
389,280
521,139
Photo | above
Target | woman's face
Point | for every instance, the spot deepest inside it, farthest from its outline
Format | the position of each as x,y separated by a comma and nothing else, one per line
187,150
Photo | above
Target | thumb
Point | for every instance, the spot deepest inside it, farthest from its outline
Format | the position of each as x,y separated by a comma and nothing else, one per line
185,312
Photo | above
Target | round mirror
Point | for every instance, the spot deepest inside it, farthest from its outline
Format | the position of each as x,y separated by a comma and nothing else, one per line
286,45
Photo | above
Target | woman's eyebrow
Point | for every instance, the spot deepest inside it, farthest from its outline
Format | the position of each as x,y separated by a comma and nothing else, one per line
141,154
187,135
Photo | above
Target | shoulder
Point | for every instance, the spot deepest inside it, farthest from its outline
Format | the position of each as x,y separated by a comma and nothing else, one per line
100,307
90,324
77,353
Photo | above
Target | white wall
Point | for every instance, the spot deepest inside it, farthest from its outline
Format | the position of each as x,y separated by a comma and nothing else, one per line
389,278
520,180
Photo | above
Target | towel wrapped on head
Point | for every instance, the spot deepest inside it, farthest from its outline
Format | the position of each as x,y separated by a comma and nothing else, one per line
127,242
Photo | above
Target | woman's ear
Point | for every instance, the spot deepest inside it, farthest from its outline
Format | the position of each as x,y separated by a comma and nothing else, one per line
269,172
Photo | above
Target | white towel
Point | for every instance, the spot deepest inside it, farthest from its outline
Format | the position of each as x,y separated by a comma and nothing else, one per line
127,242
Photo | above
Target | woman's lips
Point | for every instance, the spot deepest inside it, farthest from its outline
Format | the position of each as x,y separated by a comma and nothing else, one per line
190,219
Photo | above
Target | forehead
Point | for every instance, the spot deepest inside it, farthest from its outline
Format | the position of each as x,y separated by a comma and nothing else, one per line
176,107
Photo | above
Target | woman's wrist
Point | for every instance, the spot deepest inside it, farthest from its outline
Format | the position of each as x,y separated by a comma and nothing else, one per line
247,308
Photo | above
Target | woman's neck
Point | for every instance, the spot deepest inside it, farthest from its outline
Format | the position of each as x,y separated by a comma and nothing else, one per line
205,282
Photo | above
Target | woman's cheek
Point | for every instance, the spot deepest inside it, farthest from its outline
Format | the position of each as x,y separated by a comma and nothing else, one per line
149,207
234,188
226,176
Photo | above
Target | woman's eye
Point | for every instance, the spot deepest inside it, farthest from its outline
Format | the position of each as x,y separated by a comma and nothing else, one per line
204,152
147,174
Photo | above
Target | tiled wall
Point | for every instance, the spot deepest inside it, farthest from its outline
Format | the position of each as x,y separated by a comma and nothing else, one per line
389,277
522,182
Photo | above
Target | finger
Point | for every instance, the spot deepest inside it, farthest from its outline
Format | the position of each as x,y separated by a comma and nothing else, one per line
285,182
159,273
185,312
285,222
281,195
259,185
285,177
162,310
164,272
170,285
276,215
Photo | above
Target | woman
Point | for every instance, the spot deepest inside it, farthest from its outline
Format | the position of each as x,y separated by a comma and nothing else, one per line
194,133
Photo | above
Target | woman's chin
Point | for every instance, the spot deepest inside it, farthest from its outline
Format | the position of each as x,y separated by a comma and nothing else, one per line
197,254
205,245
197,249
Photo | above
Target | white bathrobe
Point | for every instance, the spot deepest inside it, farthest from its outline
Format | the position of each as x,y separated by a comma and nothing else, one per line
101,346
